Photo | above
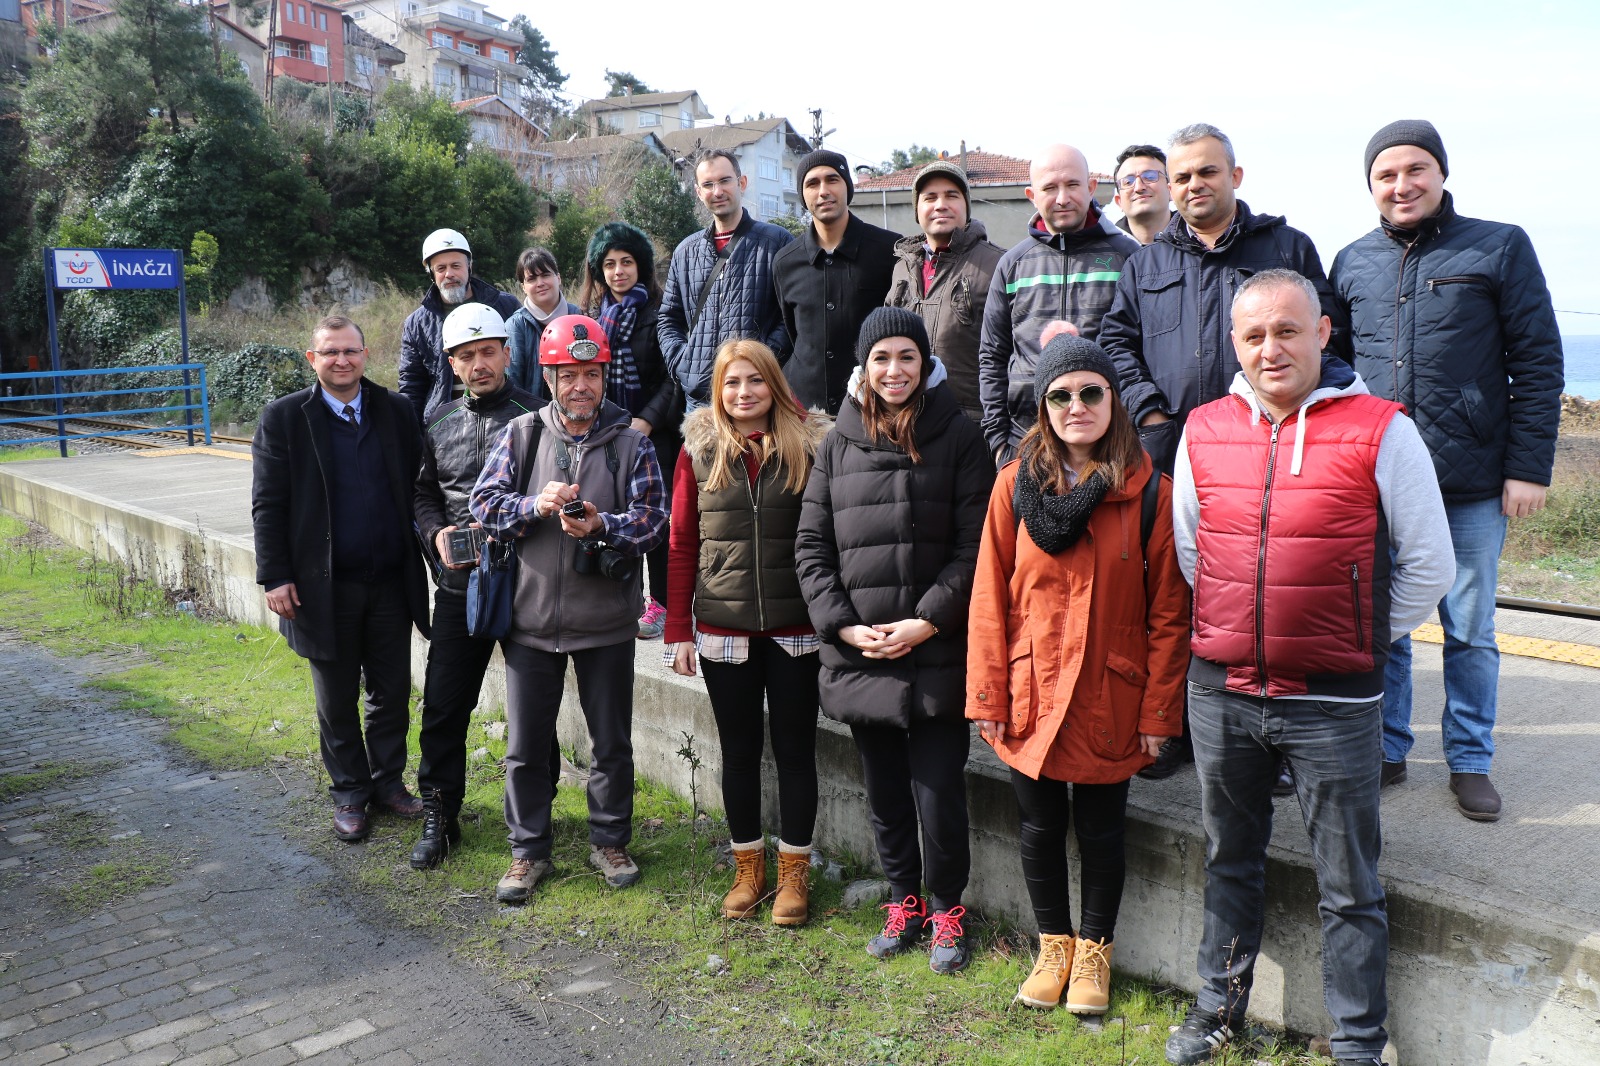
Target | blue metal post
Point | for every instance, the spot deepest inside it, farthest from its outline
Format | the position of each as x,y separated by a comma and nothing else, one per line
183,343
205,402
55,344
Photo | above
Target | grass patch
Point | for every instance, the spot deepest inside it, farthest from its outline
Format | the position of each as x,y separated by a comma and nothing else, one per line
236,697
16,453
49,774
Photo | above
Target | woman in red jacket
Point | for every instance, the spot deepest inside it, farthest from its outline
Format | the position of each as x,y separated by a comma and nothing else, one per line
1077,653
735,506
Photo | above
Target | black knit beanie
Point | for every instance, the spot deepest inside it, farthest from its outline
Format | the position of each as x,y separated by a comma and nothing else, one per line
1067,353
824,158
626,238
1417,132
893,322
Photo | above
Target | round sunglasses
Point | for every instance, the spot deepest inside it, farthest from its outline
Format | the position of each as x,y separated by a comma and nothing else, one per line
1089,396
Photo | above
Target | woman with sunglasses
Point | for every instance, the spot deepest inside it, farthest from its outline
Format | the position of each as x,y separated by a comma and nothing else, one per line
1077,653
746,457
887,541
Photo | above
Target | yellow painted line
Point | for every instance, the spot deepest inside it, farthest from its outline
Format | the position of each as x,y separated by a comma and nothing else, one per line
1556,651
152,453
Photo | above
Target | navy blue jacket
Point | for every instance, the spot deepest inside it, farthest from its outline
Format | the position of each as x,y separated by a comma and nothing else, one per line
1454,321
742,303
1170,324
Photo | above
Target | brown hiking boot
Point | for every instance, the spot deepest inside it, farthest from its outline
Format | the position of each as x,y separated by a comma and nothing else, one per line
1047,982
793,904
749,881
1090,990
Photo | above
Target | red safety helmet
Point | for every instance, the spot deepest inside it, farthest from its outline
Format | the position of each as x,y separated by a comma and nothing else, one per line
573,340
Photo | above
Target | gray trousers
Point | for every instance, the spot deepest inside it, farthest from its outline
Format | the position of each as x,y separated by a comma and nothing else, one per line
373,645
535,681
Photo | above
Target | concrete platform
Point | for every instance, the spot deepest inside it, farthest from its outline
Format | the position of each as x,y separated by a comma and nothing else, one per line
1495,928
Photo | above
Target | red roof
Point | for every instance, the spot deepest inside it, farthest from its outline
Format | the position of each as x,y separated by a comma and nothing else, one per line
983,168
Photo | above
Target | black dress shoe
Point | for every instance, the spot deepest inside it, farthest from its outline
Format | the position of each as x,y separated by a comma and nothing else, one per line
1175,751
440,833
1393,773
401,804
350,821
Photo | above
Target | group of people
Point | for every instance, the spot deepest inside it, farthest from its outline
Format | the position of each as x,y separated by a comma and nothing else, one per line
1126,495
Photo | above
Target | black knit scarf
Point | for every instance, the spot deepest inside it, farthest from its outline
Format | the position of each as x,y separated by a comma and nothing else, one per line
1056,522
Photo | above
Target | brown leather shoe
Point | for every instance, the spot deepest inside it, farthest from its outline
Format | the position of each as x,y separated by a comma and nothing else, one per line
1476,797
350,822
792,906
401,804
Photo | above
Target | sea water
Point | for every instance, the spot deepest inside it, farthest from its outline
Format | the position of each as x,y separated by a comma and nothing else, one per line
1583,364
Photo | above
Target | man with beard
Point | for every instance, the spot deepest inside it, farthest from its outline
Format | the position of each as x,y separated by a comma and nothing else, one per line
425,375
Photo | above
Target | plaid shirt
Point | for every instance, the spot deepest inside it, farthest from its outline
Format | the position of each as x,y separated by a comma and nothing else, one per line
735,649
508,516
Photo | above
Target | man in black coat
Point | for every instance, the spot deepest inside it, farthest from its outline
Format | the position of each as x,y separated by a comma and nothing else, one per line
828,281
334,467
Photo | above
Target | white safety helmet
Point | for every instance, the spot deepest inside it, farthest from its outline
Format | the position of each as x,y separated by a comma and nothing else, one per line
472,322
443,240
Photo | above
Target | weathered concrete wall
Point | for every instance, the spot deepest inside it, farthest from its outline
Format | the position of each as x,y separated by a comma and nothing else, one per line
1474,978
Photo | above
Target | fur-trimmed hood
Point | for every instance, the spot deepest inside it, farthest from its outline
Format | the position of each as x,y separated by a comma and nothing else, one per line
700,437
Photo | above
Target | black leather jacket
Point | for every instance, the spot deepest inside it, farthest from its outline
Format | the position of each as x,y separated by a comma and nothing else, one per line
455,446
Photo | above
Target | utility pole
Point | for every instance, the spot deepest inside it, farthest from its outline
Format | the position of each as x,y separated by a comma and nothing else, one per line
272,52
817,132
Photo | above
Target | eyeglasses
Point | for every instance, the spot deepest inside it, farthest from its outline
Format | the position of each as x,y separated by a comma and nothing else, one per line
1089,396
334,353
1149,177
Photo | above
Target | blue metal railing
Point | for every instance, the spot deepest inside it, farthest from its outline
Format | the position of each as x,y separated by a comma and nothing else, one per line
60,417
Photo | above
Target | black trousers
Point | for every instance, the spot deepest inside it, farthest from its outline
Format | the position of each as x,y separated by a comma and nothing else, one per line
457,661
535,681
365,755
656,558
788,686
1098,813
913,776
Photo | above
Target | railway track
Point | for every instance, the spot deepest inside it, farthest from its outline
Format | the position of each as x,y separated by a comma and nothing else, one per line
174,438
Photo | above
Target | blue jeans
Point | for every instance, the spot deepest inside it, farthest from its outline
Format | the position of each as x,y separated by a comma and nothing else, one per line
1333,749
1471,657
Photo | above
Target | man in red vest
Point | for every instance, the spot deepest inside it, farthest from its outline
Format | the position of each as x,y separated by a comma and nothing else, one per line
1309,522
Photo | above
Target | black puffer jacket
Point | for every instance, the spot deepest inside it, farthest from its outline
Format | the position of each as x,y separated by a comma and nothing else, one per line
455,447
882,539
1455,322
425,375
824,299
1168,330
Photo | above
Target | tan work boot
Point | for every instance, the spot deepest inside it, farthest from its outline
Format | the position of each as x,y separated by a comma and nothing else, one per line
793,905
1048,981
1090,990
749,880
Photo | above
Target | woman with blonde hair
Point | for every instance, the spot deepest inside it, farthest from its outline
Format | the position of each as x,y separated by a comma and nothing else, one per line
733,602
1079,642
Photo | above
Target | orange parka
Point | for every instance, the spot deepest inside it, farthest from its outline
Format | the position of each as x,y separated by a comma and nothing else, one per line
1077,652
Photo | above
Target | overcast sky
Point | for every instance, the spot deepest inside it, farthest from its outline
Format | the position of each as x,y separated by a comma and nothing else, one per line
1513,88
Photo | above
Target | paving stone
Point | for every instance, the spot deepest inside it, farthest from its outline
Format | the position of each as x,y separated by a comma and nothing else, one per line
38,1055
216,1056
278,1056
165,1033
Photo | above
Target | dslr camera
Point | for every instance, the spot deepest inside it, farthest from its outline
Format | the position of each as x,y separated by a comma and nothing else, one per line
595,556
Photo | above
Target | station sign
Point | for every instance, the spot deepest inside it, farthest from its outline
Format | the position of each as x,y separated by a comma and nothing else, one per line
117,268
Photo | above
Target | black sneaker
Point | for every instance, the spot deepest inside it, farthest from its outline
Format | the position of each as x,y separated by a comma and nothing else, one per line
1284,785
1174,753
904,926
948,952
1201,1035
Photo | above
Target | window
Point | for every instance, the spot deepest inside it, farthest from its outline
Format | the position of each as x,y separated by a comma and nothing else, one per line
649,118
322,20
468,47
443,79
292,50
788,176
685,119
442,40
288,13
364,65
467,13
225,32
305,19
769,206
357,14
502,54
319,55
767,167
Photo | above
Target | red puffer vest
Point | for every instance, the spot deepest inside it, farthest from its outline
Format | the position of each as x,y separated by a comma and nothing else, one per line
1291,588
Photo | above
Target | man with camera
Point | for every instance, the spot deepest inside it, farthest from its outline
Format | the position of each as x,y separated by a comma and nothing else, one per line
599,507
455,447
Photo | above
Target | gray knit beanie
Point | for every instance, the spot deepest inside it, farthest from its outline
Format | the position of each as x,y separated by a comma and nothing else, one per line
1417,132
893,322
824,158
1067,353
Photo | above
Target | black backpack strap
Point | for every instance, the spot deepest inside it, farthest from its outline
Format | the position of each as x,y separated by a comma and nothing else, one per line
711,279
525,461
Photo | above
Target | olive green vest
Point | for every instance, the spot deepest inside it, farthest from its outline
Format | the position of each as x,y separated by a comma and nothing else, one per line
747,579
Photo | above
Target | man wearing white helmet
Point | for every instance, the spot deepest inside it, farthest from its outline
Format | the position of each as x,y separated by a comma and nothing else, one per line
425,375
455,447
